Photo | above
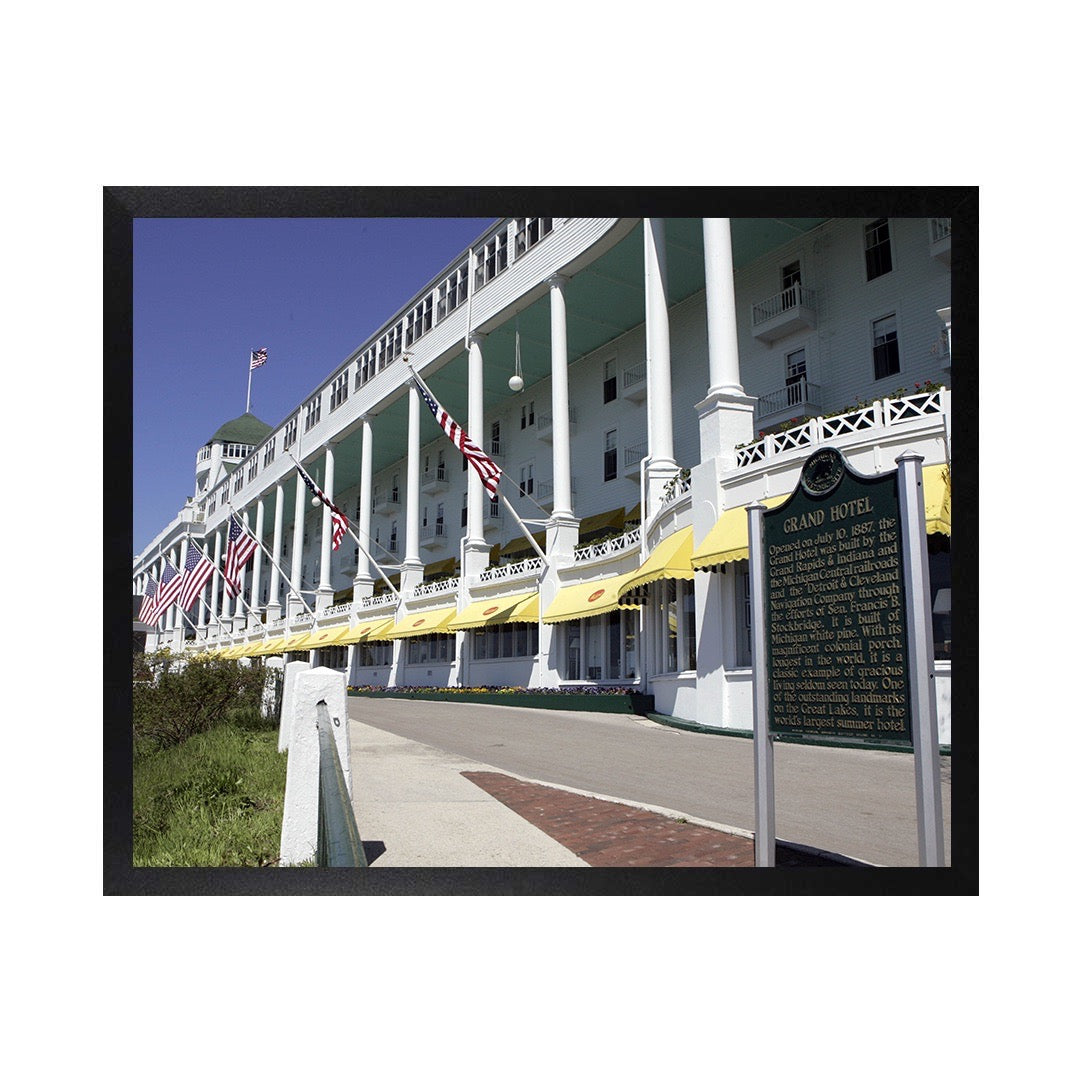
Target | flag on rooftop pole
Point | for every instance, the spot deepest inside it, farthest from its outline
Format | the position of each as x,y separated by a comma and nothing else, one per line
240,548
168,591
148,600
339,523
197,569
258,358
490,473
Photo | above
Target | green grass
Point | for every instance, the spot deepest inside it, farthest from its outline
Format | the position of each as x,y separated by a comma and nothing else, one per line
215,799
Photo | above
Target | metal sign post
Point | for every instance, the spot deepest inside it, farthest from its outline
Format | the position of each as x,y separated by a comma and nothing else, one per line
924,724
764,797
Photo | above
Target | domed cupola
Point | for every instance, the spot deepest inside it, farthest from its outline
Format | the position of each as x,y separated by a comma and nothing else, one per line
226,448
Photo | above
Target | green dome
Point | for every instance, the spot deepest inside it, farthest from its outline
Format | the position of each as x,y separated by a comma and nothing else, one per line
247,429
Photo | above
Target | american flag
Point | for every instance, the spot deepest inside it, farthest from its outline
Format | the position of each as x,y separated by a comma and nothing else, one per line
240,548
490,473
148,600
339,523
167,592
197,568
258,358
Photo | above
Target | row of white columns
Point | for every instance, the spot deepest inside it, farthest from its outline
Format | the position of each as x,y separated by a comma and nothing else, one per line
660,465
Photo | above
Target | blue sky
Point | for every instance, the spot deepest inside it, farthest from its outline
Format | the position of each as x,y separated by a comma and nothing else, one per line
206,291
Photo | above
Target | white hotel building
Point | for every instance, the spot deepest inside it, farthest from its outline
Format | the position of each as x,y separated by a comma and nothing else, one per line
674,370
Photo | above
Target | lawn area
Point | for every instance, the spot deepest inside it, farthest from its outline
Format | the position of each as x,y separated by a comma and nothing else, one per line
215,799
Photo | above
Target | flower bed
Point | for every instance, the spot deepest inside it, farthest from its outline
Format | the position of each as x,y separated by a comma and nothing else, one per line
574,698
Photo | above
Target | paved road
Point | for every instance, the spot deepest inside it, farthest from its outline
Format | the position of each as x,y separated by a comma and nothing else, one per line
859,803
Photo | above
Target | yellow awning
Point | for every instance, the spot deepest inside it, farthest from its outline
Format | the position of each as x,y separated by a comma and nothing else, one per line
937,495
231,653
521,607
670,559
332,635
371,630
265,647
520,543
610,519
446,566
587,599
424,622
729,541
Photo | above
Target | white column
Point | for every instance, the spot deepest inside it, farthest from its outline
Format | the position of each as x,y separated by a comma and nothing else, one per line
661,466
215,605
240,609
726,416
273,606
475,552
256,562
178,616
412,569
295,605
564,532
326,590
363,582
720,307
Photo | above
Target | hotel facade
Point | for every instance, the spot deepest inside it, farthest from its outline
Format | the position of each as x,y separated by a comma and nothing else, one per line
671,371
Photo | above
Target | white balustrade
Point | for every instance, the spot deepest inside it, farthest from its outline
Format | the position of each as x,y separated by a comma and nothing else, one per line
525,568
435,588
614,545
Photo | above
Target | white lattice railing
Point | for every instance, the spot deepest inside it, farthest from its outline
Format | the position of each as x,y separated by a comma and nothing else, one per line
436,588
337,609
676,488
383,600
302,620
614,545
633,376
789,397
879,414
525,568
277,623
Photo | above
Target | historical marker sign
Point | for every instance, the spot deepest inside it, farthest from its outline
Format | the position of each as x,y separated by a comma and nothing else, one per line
834,597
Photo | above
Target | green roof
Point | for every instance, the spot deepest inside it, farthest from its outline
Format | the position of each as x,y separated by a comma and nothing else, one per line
247,429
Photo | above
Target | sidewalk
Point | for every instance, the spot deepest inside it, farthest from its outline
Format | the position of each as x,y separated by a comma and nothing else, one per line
419,806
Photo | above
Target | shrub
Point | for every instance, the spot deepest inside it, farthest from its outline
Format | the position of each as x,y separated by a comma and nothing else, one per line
185,699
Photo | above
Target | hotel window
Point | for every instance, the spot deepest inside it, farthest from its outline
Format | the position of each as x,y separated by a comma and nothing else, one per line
795,376
253,468
393,536
339,391
440,520
491,259
464,509
213,506
453,291
496,443
268,453
376,654
603,648
312,412
290,434
790,276
419,321
611,455
742,614
611,380
886,348
526,485
238,482
333,656
505,642
528,415
530,231
394,493
432,649
878,249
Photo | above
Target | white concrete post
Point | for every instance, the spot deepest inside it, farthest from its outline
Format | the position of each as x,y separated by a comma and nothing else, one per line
363,582
292,669
273,606
325,595
300,821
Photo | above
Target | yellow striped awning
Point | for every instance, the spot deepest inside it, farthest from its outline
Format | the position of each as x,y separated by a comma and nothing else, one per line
520,543
231,653
937,494
423,622
521,607
315,639
610,519
587,599
265,647
670,559
371,630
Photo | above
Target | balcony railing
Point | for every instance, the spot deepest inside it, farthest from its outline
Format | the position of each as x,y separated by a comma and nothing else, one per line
545,490
436,588
431,535
940,228
382,600
793,396
525,568
634,383
613,545
544,422
790,310
885,413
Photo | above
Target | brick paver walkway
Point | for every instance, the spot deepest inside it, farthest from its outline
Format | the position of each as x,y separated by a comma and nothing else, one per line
613,834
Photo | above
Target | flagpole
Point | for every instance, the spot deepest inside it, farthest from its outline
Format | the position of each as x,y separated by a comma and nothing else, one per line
213,614
251,357
355,536
247,528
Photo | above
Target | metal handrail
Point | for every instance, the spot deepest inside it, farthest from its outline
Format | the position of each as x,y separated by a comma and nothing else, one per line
339,838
